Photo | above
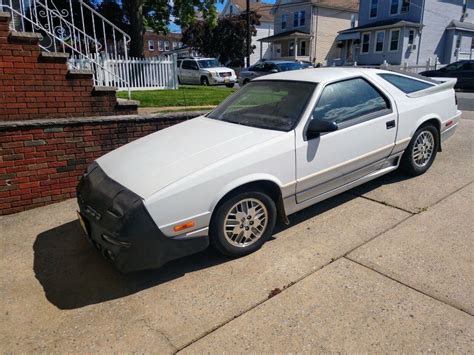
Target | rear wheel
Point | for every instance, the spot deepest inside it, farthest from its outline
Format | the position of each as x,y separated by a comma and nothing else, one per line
243,223
204,81
230,85
421,152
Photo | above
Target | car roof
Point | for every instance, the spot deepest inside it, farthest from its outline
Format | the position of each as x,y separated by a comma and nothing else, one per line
321,75
277,61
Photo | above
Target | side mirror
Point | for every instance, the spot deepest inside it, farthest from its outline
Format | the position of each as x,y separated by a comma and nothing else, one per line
317,126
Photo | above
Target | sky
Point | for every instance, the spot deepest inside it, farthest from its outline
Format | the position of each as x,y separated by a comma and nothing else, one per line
175,28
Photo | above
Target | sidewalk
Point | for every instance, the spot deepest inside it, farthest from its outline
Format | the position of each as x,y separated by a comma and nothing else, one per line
385,267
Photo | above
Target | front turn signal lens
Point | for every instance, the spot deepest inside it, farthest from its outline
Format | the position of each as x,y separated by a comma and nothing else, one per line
183,226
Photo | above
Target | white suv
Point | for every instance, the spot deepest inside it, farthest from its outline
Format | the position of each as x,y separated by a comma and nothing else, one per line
205,71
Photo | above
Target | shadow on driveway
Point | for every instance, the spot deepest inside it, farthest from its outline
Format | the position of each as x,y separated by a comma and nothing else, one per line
74,275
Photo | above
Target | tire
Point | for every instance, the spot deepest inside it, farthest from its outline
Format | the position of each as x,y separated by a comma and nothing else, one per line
247,238
421,152
245,82
230,85
204,81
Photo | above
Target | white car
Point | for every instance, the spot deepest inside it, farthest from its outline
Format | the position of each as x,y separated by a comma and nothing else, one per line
281,143
205,71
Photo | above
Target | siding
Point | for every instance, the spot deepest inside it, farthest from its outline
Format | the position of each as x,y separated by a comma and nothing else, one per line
435,40
327,23
383,13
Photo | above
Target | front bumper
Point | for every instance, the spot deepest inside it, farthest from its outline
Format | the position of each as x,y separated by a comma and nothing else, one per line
217,80
119,226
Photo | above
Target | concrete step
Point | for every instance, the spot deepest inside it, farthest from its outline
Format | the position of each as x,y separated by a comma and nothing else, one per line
4,17
24,37
53,57
127,105
104,91
73,74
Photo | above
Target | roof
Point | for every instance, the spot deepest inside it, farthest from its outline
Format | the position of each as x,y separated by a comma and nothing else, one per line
261,8
320,75
285,34
351,5
454,24
381,24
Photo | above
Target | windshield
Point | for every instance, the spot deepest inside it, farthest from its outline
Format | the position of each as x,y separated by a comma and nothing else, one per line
208,63
289,66
271,104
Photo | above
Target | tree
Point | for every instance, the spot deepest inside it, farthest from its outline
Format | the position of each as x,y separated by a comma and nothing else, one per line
156,14
226,41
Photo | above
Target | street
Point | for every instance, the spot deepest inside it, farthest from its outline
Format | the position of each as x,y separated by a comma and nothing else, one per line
386,267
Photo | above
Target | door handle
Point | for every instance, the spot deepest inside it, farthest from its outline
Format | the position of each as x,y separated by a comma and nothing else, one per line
390,124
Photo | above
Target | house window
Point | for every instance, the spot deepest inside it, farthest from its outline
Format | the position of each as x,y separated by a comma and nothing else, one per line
167,46
394,39
405,6
151,45
160,46
472,43
374,4
411,37
302,18
458,41
175,45
302,48
379,40
291,49
231,9
284,20
365,43
464,10
394,7
295,19
180,44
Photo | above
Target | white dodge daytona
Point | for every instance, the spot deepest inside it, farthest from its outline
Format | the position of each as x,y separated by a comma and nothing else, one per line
281,143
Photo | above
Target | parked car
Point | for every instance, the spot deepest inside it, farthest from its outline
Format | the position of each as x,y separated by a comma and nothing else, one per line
278,145
205,71
463,71
268,67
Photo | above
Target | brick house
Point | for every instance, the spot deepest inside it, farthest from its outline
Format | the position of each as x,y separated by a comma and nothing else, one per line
409,31
306,30
157,44
265,29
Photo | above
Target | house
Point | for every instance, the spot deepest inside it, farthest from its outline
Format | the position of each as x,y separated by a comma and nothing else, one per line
306,29
409,31
158,44
265,29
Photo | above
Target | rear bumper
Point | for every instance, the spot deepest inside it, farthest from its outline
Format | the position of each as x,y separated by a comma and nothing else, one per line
120,227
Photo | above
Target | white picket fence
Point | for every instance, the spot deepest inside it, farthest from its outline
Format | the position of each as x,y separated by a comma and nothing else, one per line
142,73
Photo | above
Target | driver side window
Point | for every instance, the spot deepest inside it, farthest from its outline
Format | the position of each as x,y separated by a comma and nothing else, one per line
346,100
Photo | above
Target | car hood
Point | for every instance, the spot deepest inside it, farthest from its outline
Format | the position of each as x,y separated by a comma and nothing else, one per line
219,69
151,163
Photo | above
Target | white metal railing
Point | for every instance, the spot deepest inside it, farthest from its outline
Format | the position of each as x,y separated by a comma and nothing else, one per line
429,65
144,73
71,27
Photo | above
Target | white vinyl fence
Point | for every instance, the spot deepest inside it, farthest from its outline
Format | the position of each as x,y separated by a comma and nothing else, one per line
141,73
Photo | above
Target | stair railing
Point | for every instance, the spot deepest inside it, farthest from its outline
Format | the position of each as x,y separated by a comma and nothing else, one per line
76,28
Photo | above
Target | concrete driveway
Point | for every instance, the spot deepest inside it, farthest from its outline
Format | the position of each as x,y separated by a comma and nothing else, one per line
385,267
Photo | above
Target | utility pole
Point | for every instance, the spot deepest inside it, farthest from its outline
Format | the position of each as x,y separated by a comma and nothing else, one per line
248,32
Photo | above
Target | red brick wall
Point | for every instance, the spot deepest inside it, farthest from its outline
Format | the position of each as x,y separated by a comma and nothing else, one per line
32,86
42,161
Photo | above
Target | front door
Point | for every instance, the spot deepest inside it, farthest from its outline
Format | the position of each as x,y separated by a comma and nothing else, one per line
277,50
367,126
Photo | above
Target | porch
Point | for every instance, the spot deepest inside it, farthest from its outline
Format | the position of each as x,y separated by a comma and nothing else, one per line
291,45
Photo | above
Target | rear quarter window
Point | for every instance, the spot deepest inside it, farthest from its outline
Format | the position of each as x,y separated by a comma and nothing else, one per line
407,85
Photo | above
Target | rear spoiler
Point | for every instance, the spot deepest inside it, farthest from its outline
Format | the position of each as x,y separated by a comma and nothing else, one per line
445,84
